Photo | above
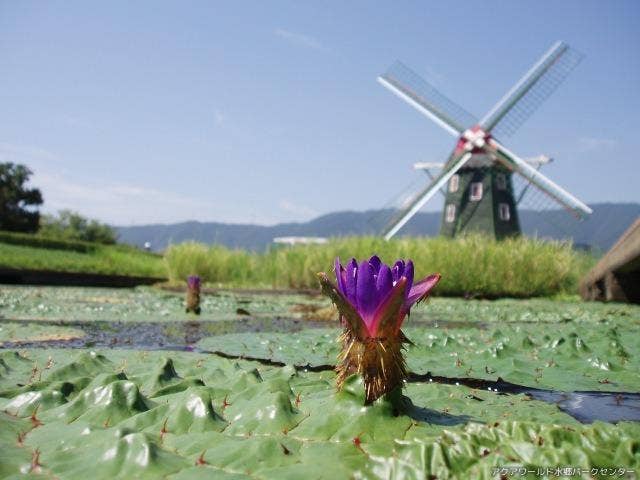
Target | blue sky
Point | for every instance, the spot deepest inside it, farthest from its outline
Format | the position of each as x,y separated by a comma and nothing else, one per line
262,112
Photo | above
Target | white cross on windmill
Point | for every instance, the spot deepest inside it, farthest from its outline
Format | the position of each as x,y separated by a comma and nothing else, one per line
479,170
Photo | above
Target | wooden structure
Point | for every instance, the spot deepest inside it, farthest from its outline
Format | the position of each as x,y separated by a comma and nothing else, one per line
616,277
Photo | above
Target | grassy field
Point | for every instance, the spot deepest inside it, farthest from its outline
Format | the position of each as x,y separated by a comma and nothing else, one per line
474,265
100,259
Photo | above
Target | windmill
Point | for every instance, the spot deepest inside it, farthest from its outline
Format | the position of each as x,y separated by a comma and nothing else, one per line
478,177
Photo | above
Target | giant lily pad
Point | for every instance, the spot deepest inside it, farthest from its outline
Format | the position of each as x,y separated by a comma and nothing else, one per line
602,356
130,414
150,304
177,415
143,304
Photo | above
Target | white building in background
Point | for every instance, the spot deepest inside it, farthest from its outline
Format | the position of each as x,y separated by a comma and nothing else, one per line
299,240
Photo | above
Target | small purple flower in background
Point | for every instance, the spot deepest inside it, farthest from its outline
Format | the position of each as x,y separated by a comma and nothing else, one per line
373,300
193,281
193,294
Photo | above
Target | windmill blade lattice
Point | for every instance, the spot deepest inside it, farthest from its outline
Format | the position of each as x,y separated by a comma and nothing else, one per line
416,203
382,219
511,161
540,215
531,91
414,89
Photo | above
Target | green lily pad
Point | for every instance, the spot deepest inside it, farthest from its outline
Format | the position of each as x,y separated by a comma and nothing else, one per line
127,414
568,357
179,415
308,347
145,304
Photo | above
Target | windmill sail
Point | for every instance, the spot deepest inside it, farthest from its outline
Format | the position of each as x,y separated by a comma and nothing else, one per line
531,90
564,198
404,215
423,96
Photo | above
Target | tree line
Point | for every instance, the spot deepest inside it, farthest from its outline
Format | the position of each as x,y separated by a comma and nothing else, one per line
19,211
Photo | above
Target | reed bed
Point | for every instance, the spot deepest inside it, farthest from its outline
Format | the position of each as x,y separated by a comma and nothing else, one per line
471,266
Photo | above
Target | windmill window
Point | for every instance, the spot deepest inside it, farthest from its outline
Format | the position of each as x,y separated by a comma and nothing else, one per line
501,181
454,182
504,212
476,191
450,213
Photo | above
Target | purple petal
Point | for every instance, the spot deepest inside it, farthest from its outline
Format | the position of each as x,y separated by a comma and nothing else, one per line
366,291
397,270
341,276
351,275
390,313
421,289
408,273
348,314
375,262
384,283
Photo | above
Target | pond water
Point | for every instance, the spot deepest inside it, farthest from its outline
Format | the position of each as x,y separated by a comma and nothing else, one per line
585,407
590,406
176,335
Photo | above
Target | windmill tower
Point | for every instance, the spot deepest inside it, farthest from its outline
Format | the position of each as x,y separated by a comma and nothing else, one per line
478,177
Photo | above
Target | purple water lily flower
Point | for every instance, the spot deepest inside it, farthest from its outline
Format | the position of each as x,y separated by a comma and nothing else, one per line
193,281
193,294
372,288
373,300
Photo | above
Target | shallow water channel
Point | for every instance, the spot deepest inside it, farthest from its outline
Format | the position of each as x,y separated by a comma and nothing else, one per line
586,406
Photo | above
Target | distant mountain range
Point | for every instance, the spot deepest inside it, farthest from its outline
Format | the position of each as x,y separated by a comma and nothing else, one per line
599,232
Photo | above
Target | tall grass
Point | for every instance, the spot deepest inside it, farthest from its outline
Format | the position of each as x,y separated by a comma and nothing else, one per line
476,265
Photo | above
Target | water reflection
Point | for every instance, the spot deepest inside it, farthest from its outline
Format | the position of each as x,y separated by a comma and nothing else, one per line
590,406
